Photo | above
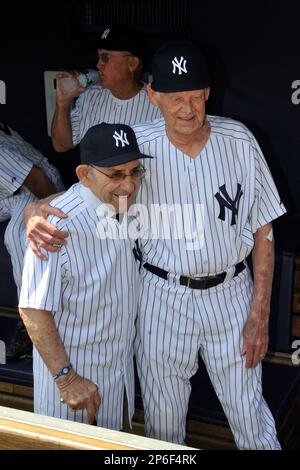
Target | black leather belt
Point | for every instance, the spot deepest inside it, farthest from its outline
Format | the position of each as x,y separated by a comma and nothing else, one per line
196,283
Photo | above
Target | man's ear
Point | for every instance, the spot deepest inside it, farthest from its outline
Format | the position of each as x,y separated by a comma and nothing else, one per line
133,63
83,174
152,95
206,93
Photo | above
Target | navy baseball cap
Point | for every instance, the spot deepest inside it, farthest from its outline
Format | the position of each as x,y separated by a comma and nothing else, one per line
109,145
123,38
179,66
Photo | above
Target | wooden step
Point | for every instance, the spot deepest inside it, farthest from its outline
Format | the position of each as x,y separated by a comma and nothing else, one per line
21,430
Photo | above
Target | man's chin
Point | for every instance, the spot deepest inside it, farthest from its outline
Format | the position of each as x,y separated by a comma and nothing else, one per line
102,82
186,126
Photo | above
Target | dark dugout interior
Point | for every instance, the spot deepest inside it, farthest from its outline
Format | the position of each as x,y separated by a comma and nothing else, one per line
252,48
253,52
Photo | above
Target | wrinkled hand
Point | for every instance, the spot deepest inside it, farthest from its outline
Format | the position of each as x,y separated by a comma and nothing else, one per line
39,231
66,98
256,336
79,393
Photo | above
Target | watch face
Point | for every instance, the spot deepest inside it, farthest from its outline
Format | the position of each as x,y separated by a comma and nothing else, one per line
64,371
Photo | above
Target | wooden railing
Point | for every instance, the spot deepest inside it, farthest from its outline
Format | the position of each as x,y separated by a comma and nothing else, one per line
22,430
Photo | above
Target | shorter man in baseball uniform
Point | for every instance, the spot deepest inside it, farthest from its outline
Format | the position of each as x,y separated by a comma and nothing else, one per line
80,304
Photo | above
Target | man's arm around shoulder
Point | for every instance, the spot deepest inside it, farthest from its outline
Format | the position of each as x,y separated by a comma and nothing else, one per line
39,231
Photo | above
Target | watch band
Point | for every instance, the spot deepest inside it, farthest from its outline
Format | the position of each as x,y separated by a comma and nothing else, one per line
64,371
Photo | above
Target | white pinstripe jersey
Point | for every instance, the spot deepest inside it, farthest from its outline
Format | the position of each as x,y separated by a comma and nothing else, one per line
91,288
97,104
17,158
231,166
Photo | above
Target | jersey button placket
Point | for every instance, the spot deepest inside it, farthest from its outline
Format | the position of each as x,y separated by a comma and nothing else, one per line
190,169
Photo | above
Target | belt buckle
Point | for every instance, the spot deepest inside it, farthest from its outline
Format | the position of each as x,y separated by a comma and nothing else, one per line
190,279
202,279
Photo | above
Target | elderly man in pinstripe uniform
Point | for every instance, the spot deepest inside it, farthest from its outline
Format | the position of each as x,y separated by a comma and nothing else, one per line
197,295
80,312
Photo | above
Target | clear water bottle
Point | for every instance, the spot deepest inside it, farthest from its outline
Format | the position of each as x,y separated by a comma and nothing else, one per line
85,78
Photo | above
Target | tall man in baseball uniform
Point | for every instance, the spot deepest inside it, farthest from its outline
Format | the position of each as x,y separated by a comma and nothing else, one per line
80,312
197,295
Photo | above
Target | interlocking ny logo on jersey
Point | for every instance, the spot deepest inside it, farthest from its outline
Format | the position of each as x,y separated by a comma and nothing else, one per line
120,137
225,201
179,66
105,33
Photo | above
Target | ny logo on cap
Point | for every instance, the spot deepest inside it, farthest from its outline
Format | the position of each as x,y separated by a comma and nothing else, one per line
105,33
120,137
179,65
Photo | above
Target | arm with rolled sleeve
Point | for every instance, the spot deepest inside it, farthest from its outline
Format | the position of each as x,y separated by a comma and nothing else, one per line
267,207
256,329
39,298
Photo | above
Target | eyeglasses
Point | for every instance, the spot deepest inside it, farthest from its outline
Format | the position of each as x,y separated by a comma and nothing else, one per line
119,176
106,57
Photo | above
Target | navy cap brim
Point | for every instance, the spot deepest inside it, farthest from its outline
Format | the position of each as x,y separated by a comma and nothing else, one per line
120,159
177,87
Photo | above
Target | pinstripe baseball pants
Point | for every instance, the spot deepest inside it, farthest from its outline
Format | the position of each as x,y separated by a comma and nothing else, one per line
175,324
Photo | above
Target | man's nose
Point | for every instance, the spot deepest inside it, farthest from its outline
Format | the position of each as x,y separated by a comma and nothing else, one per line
99,64
129,184
187,107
